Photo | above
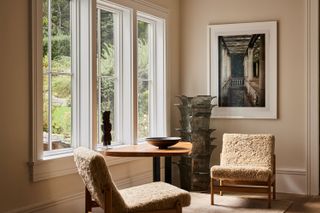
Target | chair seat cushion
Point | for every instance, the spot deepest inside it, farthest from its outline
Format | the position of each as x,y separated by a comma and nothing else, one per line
245,173
154,196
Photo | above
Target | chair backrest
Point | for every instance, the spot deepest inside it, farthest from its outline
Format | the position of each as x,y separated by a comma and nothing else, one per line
95,175
248,150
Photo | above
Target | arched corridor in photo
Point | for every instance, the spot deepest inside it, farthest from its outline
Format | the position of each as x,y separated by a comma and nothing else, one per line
242,71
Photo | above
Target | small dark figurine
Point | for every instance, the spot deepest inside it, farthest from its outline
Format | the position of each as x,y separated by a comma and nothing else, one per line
106,128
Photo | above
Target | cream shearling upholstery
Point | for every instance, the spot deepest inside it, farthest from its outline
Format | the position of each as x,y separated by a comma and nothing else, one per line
145,198
241,173
246,159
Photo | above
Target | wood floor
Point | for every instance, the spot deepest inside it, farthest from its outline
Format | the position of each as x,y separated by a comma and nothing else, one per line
301,203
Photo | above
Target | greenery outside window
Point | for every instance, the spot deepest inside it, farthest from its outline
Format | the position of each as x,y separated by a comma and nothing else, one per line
145,77
151,76
61,74
108,69
130,79
58,75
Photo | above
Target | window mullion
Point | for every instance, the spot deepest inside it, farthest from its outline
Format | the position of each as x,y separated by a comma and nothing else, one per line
99,75
152,78
49,78
75,22
134,77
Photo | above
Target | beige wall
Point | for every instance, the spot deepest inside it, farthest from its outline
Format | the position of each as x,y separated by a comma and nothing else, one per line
290,128
15,111
15,87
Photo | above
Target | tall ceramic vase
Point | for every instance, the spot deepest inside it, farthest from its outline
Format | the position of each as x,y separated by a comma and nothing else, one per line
195,127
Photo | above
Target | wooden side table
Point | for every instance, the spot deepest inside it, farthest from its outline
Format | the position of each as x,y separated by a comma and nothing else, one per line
147,150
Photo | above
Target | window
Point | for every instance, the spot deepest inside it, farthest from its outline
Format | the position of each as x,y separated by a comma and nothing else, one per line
108,73
62,73
145,77
134,92
151,76
129,79
58,75
114,70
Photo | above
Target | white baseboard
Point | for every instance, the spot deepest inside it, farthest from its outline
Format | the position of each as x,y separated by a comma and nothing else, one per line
75,202
288,181
49,206
292,181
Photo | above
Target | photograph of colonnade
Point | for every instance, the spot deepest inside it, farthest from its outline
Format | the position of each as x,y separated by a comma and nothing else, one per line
242,70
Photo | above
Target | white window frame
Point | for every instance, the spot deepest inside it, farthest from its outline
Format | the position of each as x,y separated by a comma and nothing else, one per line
75,97
60,162
157,99
63,164
131,13
125,72
152,82
118,72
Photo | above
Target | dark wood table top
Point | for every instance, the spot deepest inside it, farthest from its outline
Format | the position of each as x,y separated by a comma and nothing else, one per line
147,150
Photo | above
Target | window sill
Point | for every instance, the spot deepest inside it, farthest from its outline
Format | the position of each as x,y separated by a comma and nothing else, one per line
64,165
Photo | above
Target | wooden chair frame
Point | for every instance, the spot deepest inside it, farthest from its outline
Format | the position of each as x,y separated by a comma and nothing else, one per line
228,185
89,203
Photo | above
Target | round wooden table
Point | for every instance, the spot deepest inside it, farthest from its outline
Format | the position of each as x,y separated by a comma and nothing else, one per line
147,150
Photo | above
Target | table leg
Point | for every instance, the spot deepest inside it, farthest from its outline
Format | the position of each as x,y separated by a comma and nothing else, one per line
167,170
156,169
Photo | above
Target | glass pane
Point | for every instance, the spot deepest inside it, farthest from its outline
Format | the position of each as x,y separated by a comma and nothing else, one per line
107,43
107,69
107,103
143,79
60,36
45,21
56,44
61,112
45,113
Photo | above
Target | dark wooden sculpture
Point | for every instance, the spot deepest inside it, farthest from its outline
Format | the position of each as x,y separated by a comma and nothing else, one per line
106,128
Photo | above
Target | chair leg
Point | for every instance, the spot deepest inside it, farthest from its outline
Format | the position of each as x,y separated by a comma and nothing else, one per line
88,201
274,190
221,184
212,191
269,193
178,207
108,200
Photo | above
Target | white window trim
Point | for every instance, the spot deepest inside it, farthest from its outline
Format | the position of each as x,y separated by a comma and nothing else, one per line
63,164
60,162
132,11
74,82
118,73
156,11
125,70
158,112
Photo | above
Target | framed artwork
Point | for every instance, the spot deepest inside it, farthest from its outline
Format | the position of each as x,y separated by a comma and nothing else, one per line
243,70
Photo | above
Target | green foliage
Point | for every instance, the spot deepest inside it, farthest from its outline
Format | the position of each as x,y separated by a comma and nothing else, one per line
61,88
60,62
143,81
61,110
61,120
107,85
106,28
60,17
143,31
60,46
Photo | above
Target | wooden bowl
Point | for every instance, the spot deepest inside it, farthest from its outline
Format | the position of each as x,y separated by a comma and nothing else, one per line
163,142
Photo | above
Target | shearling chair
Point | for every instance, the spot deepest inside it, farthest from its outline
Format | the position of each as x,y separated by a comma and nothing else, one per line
247,164
157,197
